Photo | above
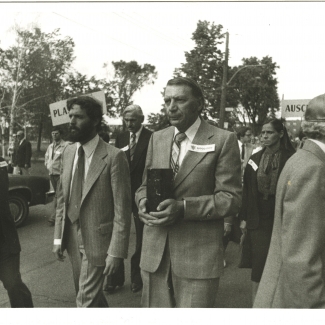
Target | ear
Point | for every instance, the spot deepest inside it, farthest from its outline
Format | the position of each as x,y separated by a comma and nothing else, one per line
281,133
142,119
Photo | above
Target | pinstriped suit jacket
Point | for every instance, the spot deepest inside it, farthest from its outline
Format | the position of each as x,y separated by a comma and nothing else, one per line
105,213
210,183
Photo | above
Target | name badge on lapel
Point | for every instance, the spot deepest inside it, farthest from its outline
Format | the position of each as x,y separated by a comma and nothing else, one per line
252,163
57,152
202,148
125,148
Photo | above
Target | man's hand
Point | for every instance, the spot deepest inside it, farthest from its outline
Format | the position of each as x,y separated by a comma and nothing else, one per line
226,229
169,212
143,215
112,264
26,166
242,227
58,253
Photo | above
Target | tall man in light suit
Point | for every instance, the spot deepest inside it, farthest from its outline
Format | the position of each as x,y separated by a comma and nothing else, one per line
294,273
134,143
93,204
182,251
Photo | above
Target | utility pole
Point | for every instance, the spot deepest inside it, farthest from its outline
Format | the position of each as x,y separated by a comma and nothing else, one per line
224,85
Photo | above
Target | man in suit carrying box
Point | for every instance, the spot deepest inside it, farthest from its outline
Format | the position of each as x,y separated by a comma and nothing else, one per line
182,250
134,143
93,213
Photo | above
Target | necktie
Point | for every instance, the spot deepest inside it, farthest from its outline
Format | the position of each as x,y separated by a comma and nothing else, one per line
76,189
243,151
132,145
174,161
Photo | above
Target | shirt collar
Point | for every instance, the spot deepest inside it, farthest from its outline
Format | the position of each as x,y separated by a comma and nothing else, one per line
59,144
137,134
319,143
90,146
191,131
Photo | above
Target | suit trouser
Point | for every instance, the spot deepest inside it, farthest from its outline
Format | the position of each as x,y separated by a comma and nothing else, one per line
164,288
19,294
135,259
54,181
88,278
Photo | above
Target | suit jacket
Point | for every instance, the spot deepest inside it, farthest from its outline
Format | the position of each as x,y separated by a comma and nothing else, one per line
249,210
210,184
294,274
8,232
24,154
105,212
139,159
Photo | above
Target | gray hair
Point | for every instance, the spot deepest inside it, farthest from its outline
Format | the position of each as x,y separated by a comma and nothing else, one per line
133,109
313,130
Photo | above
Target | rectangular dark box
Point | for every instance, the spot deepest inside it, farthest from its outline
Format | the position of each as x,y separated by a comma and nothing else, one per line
160,186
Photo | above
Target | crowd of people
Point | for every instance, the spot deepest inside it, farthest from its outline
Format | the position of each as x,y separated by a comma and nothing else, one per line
273,195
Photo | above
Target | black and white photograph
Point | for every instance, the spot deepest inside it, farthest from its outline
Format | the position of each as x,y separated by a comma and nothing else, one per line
162,155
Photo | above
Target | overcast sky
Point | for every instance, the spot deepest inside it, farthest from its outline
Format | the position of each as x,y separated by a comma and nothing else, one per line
292,34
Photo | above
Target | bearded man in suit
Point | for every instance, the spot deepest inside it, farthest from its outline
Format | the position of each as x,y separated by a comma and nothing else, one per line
182,250
93,214
294,273
134,143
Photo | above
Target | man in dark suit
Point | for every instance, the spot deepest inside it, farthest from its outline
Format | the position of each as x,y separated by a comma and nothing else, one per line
134,143
182,256
18,293
24,154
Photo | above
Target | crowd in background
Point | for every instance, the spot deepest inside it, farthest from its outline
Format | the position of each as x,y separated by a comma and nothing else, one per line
226,186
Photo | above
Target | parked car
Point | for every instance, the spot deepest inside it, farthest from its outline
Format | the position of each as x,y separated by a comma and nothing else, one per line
26,191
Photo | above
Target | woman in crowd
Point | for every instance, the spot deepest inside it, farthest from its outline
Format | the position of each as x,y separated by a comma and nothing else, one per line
260,180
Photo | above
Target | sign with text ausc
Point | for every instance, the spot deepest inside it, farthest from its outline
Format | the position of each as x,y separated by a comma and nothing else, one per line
294,107
59,110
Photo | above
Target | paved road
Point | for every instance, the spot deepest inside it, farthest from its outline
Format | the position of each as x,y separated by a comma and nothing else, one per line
51,282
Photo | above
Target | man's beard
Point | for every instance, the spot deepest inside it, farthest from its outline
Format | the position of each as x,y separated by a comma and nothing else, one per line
80,134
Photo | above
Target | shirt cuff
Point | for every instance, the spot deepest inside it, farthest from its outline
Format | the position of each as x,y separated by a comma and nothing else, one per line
57,241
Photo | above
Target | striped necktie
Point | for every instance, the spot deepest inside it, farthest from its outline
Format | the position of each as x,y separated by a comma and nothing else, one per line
132,145
76,188
174,161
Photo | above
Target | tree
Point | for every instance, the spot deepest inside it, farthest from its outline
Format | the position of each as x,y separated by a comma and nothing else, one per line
129,77
32,72
204,65
256,88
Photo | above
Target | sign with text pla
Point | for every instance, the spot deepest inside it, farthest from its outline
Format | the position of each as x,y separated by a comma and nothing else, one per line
59,111
294,108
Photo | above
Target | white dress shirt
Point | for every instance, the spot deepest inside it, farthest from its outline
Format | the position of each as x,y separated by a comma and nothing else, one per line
137,134
89,149
186,143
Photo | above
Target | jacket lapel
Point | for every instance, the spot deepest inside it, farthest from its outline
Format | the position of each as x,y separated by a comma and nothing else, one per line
141,145
96,167
191,159
163,149
67,171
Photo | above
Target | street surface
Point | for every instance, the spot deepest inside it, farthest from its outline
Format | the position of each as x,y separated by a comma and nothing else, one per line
51,282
